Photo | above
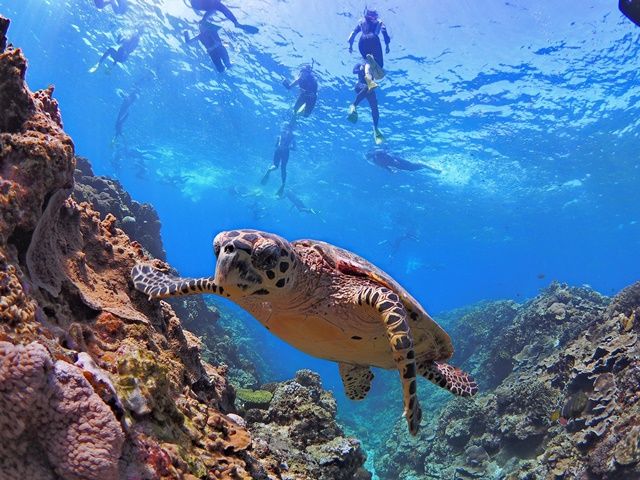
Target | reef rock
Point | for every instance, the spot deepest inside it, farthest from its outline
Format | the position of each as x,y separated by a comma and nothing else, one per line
138,220
298,433
560,399
96,382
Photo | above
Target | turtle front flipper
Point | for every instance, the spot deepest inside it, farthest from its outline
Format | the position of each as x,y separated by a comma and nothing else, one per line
157,284
453,379
356,380
387,304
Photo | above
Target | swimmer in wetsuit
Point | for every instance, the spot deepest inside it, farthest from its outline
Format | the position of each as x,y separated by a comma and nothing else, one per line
308,91
393,163
119,55
210,39
285,143
212,6
128,99
369,45
362,92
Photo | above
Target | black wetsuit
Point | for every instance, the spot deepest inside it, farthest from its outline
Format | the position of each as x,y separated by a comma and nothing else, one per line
363,92
210,6
390,162
308,92
217,51
369,42
127,45
123,114
281,155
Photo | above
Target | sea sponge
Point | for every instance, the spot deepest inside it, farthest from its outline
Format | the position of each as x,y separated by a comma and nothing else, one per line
50,412
254,398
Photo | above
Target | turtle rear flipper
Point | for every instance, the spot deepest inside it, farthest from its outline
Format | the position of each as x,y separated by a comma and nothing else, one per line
157,284
453,379
356,380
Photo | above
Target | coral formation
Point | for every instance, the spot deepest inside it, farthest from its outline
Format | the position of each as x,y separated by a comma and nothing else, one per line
138,220
299,425
95,381
53,420
562,374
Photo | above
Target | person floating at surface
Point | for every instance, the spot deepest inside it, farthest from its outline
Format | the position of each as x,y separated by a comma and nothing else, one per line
210,39
119,6
308,90
127,45
369,45
212,6
285,143
362,92
384,159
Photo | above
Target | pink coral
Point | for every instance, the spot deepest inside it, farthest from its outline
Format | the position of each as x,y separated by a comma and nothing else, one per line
50,412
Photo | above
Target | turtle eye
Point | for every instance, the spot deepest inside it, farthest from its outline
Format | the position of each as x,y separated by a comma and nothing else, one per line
265,256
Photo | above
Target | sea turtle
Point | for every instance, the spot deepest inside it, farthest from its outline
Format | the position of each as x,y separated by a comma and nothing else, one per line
329,303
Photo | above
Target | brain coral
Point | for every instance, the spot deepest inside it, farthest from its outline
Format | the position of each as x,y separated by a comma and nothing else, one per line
50,412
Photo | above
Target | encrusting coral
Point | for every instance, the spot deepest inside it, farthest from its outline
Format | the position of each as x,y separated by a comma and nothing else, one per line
96,382
566,407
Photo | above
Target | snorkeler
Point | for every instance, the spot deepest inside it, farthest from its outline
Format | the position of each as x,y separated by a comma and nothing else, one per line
210,39
212,6
128,99
363,91
285,143
119,6
308,90
369,45
392,163
298,203
127,45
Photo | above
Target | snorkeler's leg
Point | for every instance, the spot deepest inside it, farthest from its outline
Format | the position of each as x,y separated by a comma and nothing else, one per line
283,172
362,92
310,104
111,52
272,167
224,55
375,114
300,104
217,61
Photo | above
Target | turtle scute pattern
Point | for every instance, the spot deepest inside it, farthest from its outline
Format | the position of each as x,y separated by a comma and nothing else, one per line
446,376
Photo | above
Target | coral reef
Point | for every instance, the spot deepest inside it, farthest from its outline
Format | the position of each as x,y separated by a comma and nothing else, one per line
299,425
560,401
96,382
53,420
138,220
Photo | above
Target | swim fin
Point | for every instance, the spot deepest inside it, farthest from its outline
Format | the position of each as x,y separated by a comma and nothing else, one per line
353,114
95,68
377,136
370,84
301,110
248,28
376,70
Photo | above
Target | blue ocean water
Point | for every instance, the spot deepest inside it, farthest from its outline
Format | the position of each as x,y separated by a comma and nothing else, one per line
530,110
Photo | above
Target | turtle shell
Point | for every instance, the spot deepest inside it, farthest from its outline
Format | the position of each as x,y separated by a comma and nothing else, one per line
430,339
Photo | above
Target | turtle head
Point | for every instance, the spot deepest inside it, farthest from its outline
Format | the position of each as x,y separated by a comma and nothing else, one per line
253,263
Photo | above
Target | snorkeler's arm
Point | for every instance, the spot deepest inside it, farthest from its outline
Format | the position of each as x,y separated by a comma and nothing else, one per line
352,37
288,85
189,41
385,34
